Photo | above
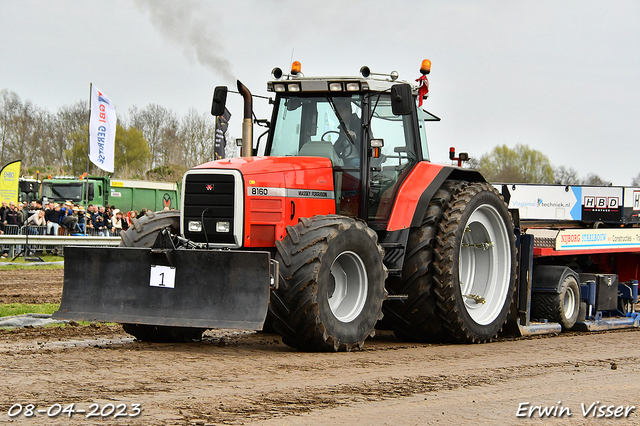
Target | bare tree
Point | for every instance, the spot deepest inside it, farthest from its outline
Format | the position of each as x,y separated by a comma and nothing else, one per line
197,131
566,175
595,180
159,127
10,105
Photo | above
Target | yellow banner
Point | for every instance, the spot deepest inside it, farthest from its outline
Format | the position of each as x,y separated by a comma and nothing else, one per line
9,185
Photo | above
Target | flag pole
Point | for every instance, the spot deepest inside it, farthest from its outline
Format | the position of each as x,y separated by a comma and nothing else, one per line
85,183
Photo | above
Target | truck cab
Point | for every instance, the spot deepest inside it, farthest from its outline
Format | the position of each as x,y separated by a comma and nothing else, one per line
61,189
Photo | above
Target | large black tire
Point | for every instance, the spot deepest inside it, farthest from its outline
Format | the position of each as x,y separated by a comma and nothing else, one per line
143,233
320,259
475,263
562,307
416,318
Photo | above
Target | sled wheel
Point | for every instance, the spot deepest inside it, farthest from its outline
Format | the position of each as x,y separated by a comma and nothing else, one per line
560,307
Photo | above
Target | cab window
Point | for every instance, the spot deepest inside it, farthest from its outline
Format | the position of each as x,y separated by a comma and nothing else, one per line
397,158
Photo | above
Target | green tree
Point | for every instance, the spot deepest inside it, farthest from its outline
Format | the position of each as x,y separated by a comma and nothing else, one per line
76,154
131,152
519,165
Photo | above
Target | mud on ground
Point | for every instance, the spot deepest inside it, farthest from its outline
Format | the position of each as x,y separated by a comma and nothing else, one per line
236,377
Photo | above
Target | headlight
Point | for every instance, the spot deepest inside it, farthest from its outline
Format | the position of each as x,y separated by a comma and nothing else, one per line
278,87
222,227
195,226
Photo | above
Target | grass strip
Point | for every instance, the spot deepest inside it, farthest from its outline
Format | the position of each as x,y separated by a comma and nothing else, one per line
11,309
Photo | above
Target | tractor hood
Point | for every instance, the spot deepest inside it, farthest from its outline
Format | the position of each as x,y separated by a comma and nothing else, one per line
260,165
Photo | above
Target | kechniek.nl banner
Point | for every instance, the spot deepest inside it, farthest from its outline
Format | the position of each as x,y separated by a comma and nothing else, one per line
102,131
9,181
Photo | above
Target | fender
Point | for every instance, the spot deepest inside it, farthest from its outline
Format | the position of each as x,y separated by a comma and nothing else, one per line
417,190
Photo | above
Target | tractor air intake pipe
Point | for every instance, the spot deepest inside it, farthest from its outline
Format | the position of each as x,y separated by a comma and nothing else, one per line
247,122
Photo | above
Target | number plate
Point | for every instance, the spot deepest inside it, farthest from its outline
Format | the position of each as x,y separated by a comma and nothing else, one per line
162,276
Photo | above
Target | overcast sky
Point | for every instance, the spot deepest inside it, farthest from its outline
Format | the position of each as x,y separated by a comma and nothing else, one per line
560,76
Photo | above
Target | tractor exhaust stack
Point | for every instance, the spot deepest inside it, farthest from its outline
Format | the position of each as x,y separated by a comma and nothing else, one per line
247,123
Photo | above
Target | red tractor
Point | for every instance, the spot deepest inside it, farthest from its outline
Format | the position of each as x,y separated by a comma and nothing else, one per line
343,224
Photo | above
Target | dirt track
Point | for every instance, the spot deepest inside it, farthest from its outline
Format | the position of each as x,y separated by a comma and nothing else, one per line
244,378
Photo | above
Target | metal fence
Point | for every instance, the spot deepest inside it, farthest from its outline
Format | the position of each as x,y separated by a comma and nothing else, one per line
16,240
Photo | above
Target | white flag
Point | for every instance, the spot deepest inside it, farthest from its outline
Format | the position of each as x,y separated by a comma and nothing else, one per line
102,131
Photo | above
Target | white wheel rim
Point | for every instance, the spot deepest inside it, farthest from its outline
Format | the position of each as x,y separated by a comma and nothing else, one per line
485,264
569,303
351,285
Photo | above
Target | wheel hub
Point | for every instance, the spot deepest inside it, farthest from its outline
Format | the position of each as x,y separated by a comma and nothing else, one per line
484,266
348,294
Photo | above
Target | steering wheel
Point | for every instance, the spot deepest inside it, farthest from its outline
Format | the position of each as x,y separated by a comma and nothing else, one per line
327,133
343,147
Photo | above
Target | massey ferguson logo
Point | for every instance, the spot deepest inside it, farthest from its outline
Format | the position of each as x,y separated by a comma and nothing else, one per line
209,187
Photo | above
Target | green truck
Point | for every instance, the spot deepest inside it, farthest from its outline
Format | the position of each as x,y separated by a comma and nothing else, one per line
124,194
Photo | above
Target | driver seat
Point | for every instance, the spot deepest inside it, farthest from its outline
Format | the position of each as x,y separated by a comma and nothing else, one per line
321,149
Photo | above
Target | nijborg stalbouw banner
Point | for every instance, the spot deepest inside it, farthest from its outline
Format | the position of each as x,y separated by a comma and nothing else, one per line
102,131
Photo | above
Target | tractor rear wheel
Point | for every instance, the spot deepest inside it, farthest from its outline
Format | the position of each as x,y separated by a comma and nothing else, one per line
143,233
416,318
475,263
331,284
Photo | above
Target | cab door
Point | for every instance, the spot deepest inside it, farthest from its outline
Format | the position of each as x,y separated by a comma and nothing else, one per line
398,156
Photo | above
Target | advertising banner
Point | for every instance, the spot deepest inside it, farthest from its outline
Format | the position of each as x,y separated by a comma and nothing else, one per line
9,185
601,238
102,131
222,123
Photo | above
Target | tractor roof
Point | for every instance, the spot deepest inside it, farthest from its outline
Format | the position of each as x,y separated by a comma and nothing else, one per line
334,84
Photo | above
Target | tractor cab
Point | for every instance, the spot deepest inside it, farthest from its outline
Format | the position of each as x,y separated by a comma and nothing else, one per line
373,142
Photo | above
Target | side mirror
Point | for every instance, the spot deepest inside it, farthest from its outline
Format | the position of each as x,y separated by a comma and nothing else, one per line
219,101
401,99
91,191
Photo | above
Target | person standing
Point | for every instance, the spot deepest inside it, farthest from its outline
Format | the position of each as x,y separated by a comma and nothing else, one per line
2,209
118,223
10,217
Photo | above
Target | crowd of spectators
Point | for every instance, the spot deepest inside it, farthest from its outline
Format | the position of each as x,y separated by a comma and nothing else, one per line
65,218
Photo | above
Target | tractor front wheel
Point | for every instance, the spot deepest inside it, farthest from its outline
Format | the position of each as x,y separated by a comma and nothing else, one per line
331,284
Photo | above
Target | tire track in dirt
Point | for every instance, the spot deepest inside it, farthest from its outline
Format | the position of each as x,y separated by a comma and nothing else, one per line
306,399
31,286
